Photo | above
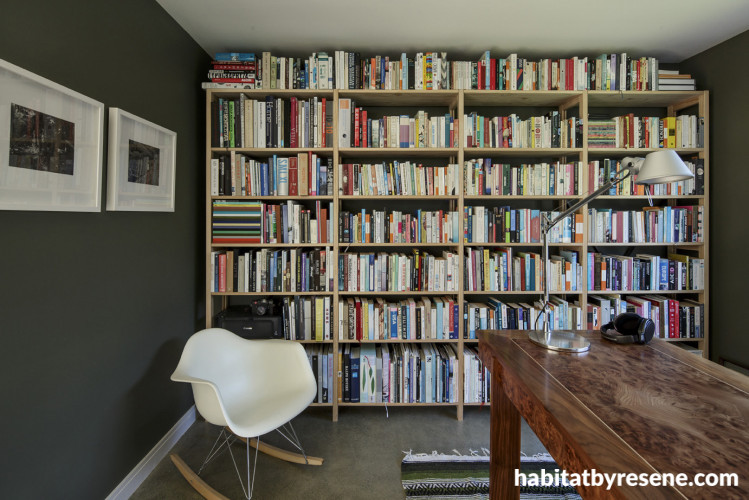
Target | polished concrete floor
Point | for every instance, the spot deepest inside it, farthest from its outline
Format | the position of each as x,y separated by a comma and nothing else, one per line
362,452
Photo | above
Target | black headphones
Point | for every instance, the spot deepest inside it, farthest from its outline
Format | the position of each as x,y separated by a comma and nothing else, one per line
629,328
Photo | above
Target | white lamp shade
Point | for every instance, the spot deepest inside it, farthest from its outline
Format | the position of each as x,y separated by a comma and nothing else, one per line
661,167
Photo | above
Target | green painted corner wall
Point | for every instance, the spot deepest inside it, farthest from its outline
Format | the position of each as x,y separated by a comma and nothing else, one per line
95,307
724,71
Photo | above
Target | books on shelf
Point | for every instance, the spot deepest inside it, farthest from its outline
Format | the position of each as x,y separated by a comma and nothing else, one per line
546,131
644,272
235,221
433,71
674,319
630,131
501,270
321,359
599,171
396,178
522,225
394,226
398,272
482,177
268,270
271,122
398,373
672,80
305,174
359,129
307,318
412,318
476,377
669,224
495,314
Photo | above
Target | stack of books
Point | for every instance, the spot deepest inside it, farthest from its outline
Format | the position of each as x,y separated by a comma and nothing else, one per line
670,79
236,68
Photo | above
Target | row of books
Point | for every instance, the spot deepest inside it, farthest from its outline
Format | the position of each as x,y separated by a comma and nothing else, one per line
599,171
307,318
357,128
476,378
433,71
322,361
394,226
398,373
271,122
266,270
256,222
413,318
645,272
522,225
305,174
683,318
397,179
546,131
498,315
482,177
682,224
630,131
398,272
501,270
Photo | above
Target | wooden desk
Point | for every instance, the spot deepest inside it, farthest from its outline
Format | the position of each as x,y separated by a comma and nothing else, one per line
617,409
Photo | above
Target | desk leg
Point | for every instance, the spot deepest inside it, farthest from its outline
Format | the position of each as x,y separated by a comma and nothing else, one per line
505,442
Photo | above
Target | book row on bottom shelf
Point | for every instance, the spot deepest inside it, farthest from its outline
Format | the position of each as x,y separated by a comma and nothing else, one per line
397,373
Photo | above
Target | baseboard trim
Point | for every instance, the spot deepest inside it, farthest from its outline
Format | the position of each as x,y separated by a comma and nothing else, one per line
141,471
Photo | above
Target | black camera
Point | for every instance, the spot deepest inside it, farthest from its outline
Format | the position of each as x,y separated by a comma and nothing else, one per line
262,307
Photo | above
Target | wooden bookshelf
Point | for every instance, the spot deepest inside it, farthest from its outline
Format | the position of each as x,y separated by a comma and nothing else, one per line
578,104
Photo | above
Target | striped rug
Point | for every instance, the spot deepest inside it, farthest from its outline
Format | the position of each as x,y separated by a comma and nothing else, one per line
438,476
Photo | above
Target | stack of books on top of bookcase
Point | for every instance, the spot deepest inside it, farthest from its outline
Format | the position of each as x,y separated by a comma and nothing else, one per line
672,80
431,71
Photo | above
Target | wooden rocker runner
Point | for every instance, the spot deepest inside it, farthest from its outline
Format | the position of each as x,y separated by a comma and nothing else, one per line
249,388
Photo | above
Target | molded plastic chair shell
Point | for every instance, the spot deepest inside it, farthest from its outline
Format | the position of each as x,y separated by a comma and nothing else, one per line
250,386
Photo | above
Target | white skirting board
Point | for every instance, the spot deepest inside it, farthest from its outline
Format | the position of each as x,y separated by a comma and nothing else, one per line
141,471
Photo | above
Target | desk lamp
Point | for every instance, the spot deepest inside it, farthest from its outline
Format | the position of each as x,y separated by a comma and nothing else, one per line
658,167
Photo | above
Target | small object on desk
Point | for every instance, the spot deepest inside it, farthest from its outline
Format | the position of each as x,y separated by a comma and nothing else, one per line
629,328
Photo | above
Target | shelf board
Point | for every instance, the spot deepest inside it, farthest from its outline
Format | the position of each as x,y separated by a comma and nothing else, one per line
261,93
480,152
517,292
645,292
410,98
397,404
399,341
638,151
634,98
391,245
398,197
274,151
272,245
413,293
680,339
501,244
269,294
273,198
550,98
634,244
398,152
484,197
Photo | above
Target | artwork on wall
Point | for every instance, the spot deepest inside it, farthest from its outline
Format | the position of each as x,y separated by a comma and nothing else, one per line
141,164
51,142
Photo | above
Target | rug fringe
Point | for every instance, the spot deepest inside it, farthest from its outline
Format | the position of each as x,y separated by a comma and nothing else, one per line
473,455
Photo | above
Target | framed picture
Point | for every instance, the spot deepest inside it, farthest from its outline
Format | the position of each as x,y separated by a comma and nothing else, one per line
141,164
51,141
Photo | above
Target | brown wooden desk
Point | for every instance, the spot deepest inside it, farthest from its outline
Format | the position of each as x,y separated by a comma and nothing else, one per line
617,409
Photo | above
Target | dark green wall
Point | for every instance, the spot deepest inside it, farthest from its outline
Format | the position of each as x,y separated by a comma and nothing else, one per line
724,71
95,307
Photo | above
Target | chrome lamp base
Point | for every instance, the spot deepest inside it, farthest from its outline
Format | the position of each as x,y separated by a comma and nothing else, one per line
559,340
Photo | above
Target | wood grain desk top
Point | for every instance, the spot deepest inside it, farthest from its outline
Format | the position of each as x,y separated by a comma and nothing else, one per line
629,409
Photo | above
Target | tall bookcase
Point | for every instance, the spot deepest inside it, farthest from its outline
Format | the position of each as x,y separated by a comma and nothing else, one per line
578,105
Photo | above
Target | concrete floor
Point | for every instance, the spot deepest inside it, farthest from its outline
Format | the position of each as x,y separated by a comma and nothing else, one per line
362,452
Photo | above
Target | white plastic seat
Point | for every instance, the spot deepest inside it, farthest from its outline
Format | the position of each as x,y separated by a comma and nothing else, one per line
251,387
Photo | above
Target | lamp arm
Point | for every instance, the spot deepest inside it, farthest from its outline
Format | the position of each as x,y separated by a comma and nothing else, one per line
623,174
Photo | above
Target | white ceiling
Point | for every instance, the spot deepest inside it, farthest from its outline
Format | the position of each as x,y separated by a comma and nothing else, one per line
671,30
